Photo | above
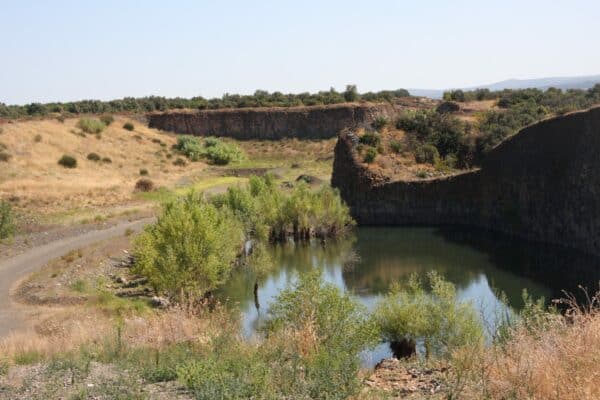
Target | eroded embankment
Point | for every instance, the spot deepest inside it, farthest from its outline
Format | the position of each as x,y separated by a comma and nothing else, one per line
314,122
541,184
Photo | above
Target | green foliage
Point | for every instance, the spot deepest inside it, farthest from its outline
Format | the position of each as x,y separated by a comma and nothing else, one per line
68,161
437,317
311,351
370,155
427,153
190,250
370,139
380,122
106,160
396,146
213,150
7,220
334,329
89,125
128,126
260,98
268,212
143,172
93,157
107,119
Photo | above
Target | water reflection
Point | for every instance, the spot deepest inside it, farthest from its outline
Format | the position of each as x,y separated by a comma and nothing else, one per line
479,264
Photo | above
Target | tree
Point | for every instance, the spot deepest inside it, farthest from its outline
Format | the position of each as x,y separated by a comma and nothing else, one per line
351,93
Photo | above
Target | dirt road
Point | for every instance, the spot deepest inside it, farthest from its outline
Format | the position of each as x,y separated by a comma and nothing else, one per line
15,268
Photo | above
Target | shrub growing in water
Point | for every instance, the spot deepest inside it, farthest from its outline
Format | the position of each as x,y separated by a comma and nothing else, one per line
68,161
438,317
190,250
90,125
7,220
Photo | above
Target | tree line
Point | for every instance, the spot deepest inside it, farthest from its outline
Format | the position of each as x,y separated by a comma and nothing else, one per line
260,98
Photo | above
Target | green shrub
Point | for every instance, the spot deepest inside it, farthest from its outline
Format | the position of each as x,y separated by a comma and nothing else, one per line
427,153
379,123
61,119
438,317
106,160
90,125
7,220
107,119
370,155
128,126
340,328
93,157
214,150
191,248
68,161
370,139
144,185
396,146
143,172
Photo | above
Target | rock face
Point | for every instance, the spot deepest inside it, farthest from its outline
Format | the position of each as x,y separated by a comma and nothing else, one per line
541,184
317,122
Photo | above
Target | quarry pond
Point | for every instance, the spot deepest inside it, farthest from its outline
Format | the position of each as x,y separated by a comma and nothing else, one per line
481,265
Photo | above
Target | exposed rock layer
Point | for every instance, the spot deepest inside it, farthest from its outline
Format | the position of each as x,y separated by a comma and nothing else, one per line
541,184
316,122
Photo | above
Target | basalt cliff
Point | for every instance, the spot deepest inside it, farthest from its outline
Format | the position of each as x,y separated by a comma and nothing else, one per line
307,122
541,184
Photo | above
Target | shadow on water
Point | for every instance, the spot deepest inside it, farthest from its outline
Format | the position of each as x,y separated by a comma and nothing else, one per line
480,264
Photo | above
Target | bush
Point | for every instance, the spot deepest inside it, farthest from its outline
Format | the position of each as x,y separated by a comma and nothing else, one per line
4,156
7,220
426,153
106,160
93,157
143,172
68,161
89,125
37,138
214,150
370,139
325,331
396,146
370,155
128,126
439,318
380,122
144,185
107,119
190,250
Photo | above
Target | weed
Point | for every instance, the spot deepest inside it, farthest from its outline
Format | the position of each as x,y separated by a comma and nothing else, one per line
92,126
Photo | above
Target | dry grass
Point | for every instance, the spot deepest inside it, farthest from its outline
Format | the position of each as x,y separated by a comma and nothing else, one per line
69,329
33,176
560,360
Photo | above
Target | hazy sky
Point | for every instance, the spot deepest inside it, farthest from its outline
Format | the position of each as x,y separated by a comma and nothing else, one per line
69,50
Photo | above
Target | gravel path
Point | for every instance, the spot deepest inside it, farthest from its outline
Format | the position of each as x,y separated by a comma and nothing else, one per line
17,267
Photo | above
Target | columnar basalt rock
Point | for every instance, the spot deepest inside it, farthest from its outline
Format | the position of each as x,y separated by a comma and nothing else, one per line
541,184
316,122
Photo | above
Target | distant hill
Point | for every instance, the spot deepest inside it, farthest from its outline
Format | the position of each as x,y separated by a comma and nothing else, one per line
575,82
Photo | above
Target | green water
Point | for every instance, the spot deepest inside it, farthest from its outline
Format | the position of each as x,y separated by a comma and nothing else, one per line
480,265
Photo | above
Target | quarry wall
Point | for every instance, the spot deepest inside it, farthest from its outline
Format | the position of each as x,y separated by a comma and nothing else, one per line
314,122
541,184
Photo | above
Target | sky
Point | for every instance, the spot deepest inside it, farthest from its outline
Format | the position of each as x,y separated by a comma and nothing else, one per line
70,50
